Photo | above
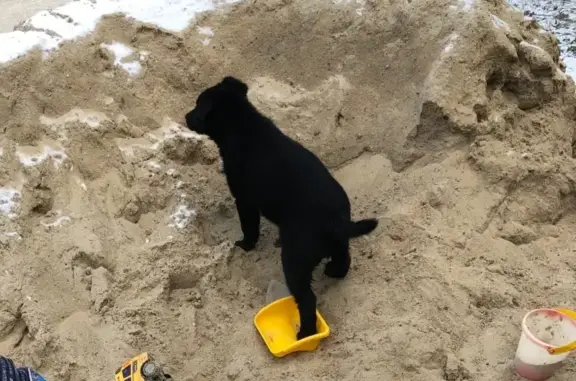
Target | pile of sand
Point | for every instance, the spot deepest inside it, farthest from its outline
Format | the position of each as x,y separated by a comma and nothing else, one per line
451,121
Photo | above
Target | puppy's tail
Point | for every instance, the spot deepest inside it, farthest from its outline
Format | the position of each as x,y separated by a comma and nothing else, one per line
346,229
362,227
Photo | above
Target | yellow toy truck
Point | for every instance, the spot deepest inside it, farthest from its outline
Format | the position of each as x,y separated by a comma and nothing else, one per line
141,368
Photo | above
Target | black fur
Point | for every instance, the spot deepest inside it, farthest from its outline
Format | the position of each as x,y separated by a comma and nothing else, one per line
270,174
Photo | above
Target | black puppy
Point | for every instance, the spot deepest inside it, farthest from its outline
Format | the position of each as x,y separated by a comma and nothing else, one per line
270,174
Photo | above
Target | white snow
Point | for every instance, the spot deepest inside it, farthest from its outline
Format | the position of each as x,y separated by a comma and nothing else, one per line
499,23
181,218
359,3
533,47
570,62
57,222
153,139
9,198
31,156
80,183
78,18
171,129
206,31
121,52
557,17
16,44
154,166
467,5
92,119
450,45
13,235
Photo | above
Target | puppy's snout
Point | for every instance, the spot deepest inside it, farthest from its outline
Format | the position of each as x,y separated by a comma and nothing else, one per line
191,121
196,121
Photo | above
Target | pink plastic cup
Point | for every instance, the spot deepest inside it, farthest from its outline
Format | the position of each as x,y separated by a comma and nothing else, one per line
543,329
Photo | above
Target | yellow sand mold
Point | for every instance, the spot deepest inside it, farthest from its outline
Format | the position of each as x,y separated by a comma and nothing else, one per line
278,324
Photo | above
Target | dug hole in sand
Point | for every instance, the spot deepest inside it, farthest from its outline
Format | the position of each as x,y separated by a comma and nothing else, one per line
451,121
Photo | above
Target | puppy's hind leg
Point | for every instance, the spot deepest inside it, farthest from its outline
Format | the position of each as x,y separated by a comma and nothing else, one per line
340,260
250,223
298,263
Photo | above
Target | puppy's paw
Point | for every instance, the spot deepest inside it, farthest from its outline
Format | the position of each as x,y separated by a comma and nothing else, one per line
245,245
335,270
304,333
278,242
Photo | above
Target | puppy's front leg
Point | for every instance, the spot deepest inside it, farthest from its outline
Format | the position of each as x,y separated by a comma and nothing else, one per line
250,223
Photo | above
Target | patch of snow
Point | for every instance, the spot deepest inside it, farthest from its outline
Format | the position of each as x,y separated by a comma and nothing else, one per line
144,55
360,9
171,129
80,183
560,74
154,165
78,18
128,147
153,139
467,5
570,62
121,52
181,218
206,31
450,45
557,17
13,235
16,44
360,3
92,119
31,156
499,23
57,222
513,7
9,198
533,47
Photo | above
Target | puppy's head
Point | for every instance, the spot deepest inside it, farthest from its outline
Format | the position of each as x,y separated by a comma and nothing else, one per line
216,105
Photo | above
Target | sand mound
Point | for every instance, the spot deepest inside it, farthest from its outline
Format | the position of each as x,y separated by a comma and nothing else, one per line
452,121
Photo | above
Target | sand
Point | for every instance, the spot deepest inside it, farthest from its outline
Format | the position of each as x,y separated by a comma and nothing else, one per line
450,121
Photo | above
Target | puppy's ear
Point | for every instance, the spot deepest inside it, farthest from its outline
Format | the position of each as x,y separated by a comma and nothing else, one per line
235,85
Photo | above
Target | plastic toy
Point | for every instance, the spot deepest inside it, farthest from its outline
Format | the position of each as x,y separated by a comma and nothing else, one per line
279,322
141,368
548,338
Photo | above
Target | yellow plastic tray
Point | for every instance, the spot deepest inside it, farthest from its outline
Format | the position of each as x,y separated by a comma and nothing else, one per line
279,322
